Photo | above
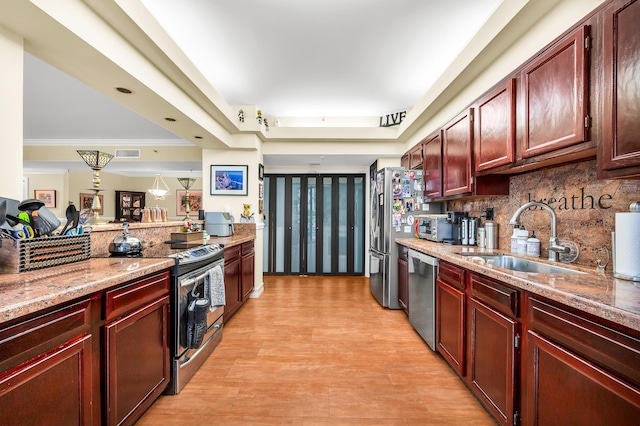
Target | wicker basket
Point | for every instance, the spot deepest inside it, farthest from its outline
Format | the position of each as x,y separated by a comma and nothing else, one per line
38,253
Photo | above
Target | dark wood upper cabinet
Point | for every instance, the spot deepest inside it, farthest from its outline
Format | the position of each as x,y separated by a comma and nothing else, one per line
555,95
404,161
495,127
457,151
620,146
415,157
432,165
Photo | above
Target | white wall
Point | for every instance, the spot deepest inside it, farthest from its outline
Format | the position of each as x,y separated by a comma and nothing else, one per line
11,83
234,203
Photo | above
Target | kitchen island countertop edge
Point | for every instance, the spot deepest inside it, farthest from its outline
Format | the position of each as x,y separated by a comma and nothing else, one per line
29,292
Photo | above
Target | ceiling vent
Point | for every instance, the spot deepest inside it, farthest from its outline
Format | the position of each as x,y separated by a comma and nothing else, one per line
127,153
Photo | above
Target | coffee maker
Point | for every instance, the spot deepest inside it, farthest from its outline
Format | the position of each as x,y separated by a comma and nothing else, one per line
458,230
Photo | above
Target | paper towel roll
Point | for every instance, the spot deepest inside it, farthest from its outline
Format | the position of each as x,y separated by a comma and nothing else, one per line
627,240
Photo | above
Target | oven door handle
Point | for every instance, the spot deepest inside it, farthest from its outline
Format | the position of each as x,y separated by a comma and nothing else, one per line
195,280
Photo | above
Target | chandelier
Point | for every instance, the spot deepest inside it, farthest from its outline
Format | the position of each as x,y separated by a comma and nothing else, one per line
159,192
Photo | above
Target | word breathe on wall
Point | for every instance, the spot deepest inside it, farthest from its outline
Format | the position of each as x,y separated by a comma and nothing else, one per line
395,118
575,202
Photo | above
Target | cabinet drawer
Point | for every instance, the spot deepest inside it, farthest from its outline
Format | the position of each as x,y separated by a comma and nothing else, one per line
231,253
497,295
247,248
611,349
452,275
130,296
20,341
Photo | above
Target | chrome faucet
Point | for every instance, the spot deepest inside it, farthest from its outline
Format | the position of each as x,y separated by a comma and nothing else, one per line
554,247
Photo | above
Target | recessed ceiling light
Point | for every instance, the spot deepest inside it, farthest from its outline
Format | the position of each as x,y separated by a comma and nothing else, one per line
124,90
198,137
170,119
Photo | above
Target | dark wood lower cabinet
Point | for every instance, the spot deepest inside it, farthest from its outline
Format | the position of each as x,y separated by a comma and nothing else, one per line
533,361
492,360
100,360
137,360
450,325
52,388
232,282
248,273
239,273
403,278
564,388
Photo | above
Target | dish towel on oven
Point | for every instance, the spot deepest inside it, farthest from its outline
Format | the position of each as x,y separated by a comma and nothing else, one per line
216,287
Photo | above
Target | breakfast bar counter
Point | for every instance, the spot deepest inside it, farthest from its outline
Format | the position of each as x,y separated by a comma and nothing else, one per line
28,292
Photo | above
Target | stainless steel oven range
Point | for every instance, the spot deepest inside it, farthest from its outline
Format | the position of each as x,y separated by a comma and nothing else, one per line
196,310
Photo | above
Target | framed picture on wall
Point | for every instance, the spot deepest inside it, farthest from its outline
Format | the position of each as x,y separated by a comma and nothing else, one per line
86,200
47,196
195,201
260,171
229,180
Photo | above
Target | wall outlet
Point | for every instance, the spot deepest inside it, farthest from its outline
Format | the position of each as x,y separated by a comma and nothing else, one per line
488,213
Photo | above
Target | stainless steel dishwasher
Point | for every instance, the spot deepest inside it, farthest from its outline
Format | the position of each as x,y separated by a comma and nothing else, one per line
422,295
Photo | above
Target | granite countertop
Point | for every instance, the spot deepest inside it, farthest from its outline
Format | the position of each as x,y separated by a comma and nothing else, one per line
28,292
597,293
231,241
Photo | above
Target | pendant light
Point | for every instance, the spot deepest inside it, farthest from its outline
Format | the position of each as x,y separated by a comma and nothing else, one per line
158,191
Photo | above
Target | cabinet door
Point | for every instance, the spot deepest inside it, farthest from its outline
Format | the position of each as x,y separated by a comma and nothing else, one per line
129,205
495,127
248,275
405,161
621,105
432,165
555,91
54,387
457,137
137,206
450,325
232,285
403,284
492,360
564,388
137,361
415,157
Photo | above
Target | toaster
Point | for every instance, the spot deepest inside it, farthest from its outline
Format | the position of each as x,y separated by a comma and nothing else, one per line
433,227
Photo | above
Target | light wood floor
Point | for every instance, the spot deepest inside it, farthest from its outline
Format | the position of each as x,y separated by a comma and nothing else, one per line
320,351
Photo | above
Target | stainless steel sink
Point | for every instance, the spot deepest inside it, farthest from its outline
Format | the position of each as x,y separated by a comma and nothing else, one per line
521,265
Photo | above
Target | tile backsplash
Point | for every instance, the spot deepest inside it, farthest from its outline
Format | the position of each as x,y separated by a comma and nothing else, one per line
585,207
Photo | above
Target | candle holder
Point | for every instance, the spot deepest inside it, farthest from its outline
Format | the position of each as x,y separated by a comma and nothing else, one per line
96,160
186,184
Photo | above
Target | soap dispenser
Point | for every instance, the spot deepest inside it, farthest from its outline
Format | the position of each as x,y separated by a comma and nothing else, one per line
533,245
523,236
514,239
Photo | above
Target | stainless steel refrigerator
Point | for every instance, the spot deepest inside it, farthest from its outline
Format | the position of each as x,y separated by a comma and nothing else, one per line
396,197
